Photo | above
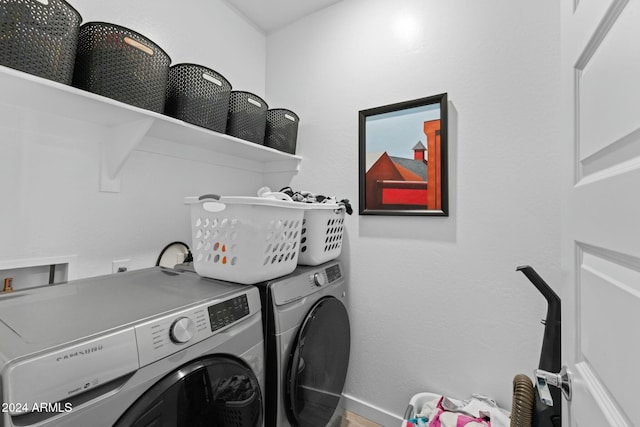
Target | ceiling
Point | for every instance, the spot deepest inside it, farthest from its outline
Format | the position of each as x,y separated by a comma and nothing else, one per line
270,15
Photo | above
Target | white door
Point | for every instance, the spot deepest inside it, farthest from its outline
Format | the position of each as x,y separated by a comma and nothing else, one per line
601,224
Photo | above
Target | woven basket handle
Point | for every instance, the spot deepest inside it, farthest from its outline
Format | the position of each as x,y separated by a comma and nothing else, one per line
136,44
210,78
254,102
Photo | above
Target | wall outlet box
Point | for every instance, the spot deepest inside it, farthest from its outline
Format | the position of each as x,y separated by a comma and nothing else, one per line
31,272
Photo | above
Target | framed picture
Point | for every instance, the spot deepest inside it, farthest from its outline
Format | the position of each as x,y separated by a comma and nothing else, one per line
403,158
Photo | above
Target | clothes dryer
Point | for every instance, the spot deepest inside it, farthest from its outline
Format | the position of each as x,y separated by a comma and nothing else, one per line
307,337
149,347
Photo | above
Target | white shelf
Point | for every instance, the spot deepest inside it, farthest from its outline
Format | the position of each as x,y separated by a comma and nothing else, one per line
127,128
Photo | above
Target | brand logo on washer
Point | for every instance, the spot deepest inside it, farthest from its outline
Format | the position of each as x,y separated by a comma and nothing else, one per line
78,353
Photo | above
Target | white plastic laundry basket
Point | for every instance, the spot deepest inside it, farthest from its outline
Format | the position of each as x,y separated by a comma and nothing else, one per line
416,403
322,231
244,239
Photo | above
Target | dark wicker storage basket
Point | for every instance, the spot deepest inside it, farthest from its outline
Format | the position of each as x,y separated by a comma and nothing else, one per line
39,38
282,130
247,117
119,63
198,95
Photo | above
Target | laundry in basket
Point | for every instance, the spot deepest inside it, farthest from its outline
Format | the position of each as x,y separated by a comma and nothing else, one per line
322,227
442,411
244,239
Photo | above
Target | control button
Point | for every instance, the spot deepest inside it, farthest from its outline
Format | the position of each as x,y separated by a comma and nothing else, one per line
182,330
318,279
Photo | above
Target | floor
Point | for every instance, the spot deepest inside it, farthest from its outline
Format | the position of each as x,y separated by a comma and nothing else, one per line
349,419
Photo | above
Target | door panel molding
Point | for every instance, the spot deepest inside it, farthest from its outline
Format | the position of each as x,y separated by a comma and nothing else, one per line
599,18
599,396
618,157
597,14
610,298
607,112
609,212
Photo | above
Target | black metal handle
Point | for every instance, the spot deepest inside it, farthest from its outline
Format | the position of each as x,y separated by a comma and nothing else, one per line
550,356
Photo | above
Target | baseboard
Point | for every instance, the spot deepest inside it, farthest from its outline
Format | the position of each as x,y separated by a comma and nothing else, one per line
373,413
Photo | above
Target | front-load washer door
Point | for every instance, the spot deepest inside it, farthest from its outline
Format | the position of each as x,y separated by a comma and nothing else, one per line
212,391
318,364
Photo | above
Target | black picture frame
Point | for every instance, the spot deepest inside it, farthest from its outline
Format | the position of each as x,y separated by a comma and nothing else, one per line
391,183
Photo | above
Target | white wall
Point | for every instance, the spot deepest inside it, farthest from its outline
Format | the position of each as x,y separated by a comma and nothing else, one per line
436,303
51,203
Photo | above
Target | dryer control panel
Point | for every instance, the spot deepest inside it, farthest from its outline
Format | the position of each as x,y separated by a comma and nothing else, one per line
311,280
333,273
167,335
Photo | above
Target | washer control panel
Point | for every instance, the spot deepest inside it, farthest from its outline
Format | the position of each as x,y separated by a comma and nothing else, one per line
162,337
227,312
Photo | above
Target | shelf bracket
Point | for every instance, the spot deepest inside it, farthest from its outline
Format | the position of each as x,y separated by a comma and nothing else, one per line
117,144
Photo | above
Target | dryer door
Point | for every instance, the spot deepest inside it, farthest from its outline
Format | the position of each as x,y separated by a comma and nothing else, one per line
318,364
216,390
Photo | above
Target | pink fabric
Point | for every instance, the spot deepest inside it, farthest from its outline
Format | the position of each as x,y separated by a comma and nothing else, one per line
462,421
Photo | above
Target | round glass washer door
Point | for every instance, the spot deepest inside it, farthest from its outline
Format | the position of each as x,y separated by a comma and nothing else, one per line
215,390
318,364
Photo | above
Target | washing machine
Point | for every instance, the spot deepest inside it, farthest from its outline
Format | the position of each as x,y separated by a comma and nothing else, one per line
307,338
148,347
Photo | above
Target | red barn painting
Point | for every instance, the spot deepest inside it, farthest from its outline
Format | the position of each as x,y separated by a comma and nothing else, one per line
394,182
403,158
